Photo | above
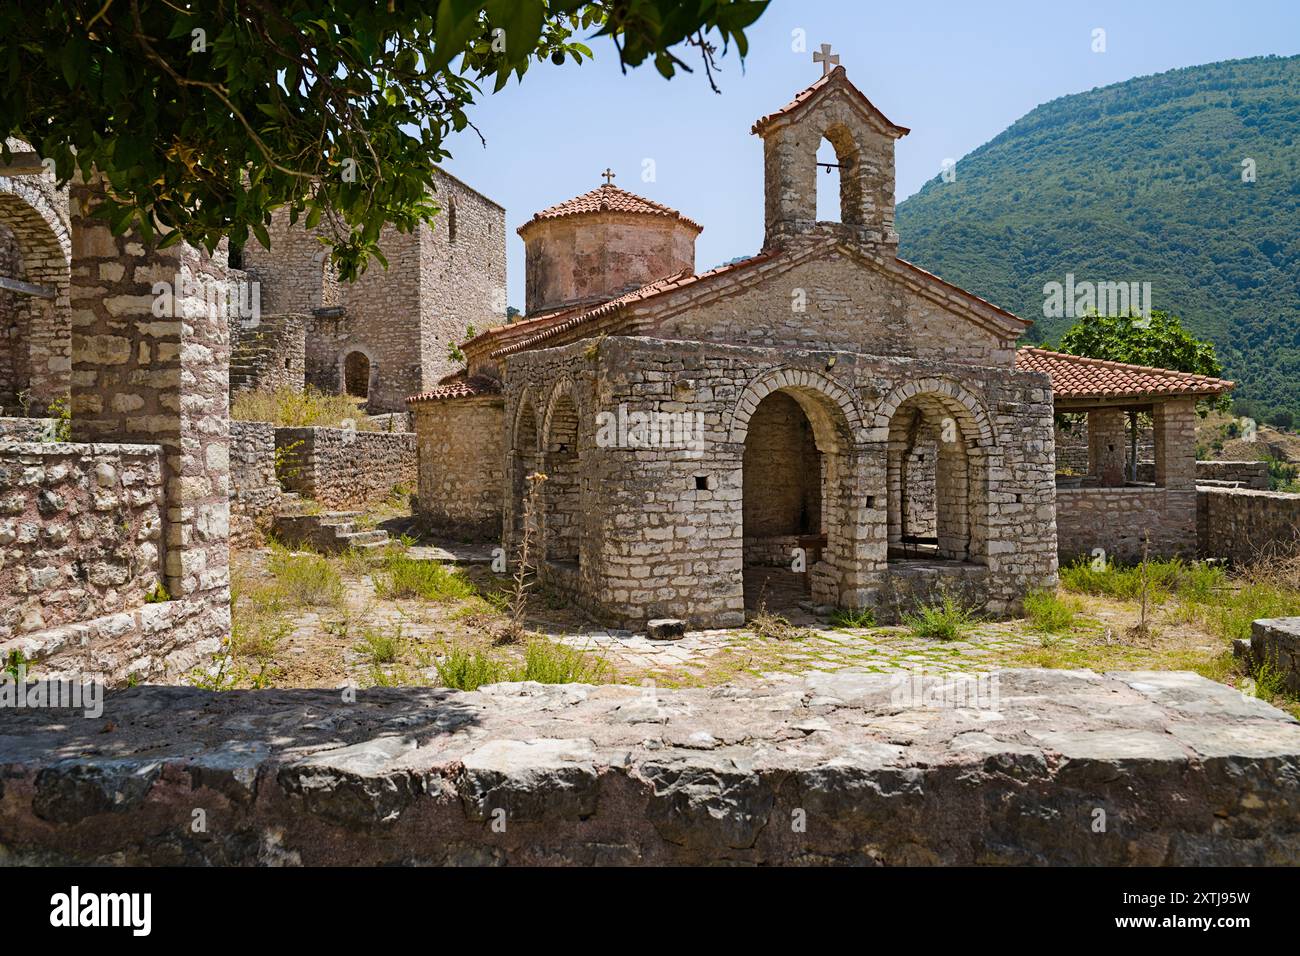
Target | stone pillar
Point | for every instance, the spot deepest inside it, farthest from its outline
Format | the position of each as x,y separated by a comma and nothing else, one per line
150,364
1175,440
1106,444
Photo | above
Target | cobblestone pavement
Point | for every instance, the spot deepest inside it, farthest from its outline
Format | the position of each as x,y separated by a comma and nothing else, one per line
738,652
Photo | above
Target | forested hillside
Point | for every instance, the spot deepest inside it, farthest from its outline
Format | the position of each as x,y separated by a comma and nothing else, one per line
1142,181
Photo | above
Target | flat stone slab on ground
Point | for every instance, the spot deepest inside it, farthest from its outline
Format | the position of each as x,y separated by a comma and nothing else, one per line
825,768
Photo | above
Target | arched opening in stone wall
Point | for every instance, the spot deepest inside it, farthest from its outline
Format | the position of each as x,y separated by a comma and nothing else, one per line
356,375
35,310
937,494
561,491
838,186
523,462
784,480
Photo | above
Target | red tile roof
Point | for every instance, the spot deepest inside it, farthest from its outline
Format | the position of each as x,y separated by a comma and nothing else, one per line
675,281
609,198
836,77
459,385
1076,377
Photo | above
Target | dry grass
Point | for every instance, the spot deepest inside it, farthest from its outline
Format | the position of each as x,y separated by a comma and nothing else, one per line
287,408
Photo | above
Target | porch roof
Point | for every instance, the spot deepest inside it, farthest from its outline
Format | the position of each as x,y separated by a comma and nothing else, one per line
1081,382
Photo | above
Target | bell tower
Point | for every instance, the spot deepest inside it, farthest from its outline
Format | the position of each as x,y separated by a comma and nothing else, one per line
863,140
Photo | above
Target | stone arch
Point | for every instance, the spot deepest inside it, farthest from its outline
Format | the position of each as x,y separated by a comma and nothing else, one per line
356,372
966,407
36,328
813,391
939,442
523,458
848,156
832,413
562,459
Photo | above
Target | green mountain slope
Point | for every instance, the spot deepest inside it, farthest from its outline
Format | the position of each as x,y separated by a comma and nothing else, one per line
1142,181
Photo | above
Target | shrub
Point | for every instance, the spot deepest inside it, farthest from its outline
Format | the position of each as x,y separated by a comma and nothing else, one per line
549,663
462,669
381,647
402,576
286,408
1049,612
302,580
845,618
946,621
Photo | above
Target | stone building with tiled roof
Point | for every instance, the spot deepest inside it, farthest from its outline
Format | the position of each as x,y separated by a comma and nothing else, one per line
820,422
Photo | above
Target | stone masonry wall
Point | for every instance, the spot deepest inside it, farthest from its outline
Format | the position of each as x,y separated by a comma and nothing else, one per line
28,429
254,488
404,318
662,534
461,464
1251,474
1118,520
80,532
1244,526
269,355
342,467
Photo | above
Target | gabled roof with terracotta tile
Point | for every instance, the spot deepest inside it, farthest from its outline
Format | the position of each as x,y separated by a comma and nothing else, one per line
671,283
1075,377
836,79
459,385
609,198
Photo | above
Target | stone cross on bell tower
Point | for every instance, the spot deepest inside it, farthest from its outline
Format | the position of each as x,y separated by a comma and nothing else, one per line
826,58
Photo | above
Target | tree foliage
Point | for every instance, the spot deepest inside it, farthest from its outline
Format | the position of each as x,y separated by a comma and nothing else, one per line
205,116
1159,342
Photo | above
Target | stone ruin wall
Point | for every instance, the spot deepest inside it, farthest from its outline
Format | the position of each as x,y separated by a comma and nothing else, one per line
1119,521
254,488
1244,525
462,280
269,355
461,465
404,318
80,532
344,467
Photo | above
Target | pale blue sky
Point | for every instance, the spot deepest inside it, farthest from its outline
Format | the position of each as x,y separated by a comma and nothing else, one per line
956,72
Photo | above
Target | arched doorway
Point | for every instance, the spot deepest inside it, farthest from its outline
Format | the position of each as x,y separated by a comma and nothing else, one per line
523,462
356,375
937,488
561,491
35,310
790,500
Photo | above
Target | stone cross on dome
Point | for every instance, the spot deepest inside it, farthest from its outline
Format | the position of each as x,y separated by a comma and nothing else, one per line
609,176
827,59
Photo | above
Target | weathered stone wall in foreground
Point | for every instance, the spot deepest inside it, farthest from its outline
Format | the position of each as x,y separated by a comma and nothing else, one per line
1246,526
342,467
80,531
830,769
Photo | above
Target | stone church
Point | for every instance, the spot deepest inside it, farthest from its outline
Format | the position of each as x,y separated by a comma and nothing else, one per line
822,415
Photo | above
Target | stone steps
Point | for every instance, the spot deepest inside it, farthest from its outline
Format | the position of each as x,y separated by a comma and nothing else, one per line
327,531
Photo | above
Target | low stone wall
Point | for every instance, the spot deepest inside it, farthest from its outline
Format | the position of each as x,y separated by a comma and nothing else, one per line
80,532
1242,526
254,489
1119,521
343,467
1251,474
391,422
462,464
1276,642
866,769
27,429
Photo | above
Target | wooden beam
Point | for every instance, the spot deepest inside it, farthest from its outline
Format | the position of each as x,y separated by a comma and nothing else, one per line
24,163
28,288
